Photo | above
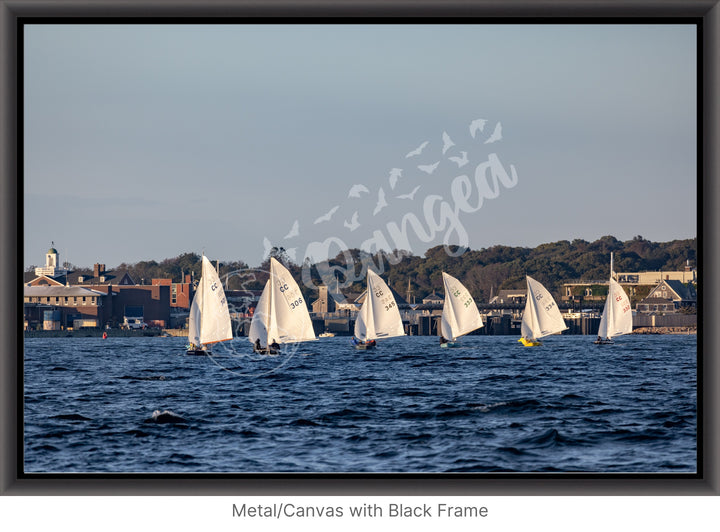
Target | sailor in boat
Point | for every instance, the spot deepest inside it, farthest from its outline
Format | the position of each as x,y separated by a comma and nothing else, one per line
442,340
369,343
194,349
274,345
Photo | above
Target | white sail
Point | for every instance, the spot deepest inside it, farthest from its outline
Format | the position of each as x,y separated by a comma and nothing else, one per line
261,320
209,315
460,313
617,315
281,314
542,316
379,316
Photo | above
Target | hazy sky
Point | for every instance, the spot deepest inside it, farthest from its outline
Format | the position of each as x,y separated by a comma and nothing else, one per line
143,142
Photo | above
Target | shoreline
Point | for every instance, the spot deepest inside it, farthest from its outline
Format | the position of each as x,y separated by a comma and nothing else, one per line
116,333
665,330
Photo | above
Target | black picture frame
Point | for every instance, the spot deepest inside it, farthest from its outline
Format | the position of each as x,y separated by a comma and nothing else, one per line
14,482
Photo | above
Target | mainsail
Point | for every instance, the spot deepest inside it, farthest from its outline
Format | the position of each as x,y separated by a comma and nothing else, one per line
209,316
281,314
542,315
460,313
379,316
617,316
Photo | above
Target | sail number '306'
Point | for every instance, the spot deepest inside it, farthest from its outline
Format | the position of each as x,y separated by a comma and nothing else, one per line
285,290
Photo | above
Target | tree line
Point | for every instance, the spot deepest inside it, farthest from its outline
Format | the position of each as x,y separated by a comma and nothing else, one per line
484,272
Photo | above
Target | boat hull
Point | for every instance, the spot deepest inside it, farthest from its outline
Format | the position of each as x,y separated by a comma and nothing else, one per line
266,351
364,347
200,352
529,343
448,345
607,341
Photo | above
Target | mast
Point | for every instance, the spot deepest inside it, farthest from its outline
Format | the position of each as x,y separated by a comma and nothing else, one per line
202,281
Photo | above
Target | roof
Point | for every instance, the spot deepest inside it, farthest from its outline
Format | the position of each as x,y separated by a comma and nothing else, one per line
685,292
399,300
433,297
521,292
88,279
59,291
52,250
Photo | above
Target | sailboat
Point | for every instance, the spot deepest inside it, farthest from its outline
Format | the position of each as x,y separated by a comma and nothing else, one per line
379,316
541,316
209,316
460,313
617,315
281,315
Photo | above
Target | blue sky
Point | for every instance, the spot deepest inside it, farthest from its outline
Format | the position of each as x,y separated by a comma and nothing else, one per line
143,142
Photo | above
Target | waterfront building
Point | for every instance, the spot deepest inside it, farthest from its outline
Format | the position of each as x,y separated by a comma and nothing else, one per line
668,297
98,299
637,285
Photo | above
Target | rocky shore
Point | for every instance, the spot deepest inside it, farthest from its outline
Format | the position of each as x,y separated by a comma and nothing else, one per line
665,330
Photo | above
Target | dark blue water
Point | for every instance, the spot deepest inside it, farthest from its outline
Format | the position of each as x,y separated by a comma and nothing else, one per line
490,406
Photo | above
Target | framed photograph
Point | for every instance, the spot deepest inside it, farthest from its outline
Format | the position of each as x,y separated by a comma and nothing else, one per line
351,247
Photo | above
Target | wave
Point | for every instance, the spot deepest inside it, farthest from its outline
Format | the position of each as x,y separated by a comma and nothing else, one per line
71,417
151,378
304,423
344,414
512,450
137,433
512,405
548,438
166,416
415,437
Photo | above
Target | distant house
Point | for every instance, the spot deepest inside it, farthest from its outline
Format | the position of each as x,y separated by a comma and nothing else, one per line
668,296
433,299
332,300
431,305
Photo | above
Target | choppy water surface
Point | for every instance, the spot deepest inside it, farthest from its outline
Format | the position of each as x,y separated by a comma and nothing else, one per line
491,405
